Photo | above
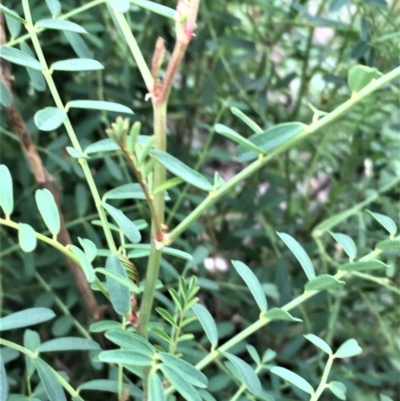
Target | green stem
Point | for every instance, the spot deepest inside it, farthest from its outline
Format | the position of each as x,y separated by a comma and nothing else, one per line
262,161
383,281
50,241
322,385
66,16
137,54
153,266
34,356
71,133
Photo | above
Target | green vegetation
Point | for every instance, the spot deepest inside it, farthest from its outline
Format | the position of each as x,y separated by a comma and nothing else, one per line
199,201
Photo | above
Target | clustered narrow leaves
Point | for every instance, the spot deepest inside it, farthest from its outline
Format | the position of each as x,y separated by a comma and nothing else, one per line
152,351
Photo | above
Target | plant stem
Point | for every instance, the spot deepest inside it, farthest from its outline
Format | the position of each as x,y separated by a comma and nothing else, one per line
153,266
71,133
137,54
262,161
66,16
324,379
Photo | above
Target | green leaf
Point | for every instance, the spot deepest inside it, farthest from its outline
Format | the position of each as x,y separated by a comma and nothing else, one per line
339,389
104,325
155,8
49,118
75,154
119,278
252,282
389,244
11,14
50,383
5,97
323,282
84,263
155,387
336,5
385,221
319,342
346,243
142,250
248,121
126,225
383,397
348,349
78,44
60,25
26,237
254,354
111,386
77,64
36,77
68,344
89,247
280,314
177,253
177,299
268,356
14,26
54,7
125,357
246,373
171,183
207,322
98,105
270,139
121,6
31,342
360,76
18,57
6,190
185,370
104,145
128,191
235,137
162,334
3,381
376,3
25,318
368,265
130,341
292,378
181,170
184,388
167,316
119,294
8,354
300,254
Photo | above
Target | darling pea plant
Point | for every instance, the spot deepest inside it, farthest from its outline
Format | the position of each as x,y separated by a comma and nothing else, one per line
146,359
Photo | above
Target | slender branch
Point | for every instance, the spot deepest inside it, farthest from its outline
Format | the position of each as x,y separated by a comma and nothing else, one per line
71,133
263,160
136,169
45,180
322,385
66,16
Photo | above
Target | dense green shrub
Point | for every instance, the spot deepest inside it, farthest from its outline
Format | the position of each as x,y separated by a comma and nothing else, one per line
199,217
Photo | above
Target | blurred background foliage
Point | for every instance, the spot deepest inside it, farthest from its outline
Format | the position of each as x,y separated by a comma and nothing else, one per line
269,59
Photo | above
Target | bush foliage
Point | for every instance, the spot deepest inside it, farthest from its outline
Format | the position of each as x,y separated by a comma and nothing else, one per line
199,200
